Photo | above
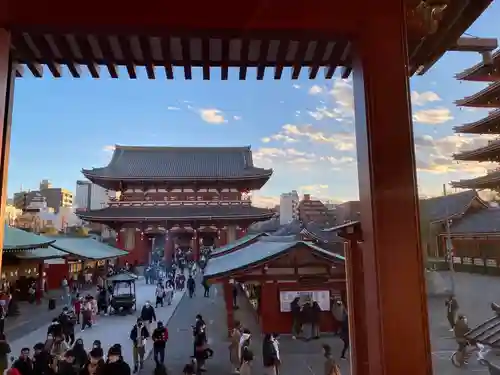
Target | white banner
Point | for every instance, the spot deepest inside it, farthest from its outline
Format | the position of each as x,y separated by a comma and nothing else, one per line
320,296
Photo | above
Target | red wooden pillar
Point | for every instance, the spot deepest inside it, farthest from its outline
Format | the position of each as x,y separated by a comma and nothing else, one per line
356,308
392,258
7,78
228,298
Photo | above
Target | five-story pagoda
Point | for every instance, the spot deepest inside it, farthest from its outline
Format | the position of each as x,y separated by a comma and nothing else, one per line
185,196
489,97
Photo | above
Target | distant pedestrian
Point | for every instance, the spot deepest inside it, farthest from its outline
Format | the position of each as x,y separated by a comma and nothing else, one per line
139,334
206,287
4,353
148,315
270,355
191,286
160,338
344,336
451,311
160,295
331,367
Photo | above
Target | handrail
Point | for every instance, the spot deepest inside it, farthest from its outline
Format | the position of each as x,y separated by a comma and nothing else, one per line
245,203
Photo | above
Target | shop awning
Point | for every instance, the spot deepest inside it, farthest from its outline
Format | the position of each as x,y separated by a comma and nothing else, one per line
257,253
15,239
87,248
40,253
239,242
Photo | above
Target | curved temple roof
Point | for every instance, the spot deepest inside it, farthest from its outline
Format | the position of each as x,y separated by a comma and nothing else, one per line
482,72
258,253
131,163
488,97
491,180
18,239
161,213
488,125
486,153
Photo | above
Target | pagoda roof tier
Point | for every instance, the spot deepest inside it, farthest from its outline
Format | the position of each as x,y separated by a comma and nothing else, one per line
482,72
489,97
176,213
491,153
488,125
179,165
489,181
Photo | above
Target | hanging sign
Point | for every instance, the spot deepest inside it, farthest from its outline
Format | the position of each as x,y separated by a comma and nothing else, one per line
320,296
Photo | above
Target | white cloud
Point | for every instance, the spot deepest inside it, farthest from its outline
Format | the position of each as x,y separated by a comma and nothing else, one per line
436,155
315,90
423,98
296,86
212,116
171,108
341,141
109,148
433,116
237,118
266,139
265,201
343,96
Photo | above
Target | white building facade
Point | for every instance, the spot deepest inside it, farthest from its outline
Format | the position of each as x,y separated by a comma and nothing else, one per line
289,207
90,196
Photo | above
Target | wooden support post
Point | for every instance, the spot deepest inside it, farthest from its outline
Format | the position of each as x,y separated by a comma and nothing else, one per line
7,78
39,283
392,258
228,298
356,308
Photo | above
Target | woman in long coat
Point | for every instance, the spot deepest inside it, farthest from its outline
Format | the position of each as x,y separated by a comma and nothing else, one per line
234,347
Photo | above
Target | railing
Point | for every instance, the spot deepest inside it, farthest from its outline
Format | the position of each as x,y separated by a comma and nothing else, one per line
480,265
239,203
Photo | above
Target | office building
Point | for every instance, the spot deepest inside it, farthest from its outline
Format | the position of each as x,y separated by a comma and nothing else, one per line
288,208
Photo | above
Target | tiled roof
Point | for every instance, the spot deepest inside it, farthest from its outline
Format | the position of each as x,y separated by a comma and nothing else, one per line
179,163
256,253
18,239
239,242
482,221
87,248
440,208
175,212
292,228
317,232
40,253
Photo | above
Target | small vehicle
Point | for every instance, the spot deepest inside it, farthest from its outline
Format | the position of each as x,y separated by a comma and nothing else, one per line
123,299
480,350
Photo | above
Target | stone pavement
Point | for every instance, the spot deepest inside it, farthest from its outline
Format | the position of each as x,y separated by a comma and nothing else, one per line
299,358
109,329
474,294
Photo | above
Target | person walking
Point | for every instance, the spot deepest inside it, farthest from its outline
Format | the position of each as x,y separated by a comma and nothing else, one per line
4,353
160,338
148,315
270,355
160,295
139,335
191,286
330,367
169,292
246,357
234,356
451,311
344,336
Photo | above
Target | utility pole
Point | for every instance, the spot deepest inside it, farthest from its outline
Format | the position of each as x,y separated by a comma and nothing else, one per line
449,246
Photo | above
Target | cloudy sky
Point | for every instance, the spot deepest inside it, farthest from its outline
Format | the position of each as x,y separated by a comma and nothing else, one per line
303,129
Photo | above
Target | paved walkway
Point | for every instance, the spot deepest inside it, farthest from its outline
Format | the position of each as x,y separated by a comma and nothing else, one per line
299,358
109,329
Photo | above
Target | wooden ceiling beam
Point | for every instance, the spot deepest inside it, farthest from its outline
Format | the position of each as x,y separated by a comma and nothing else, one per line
21,47
335,57
317,58
186,57
61,43
224,68
280,59
41,43
205,54
245,50
145,44
88,56
19,69
108,55
124,43
299,58
165,50
262,63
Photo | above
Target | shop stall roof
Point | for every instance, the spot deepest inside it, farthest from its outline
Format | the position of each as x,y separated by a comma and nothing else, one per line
122,277
258,253
87,248
239,242
40,253
17,239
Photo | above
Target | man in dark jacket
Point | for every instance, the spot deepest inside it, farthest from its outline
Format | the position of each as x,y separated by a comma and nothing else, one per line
66,366
138,335
115,364
41,359
296,325
148,314
191,286
160,338
270,355
24,364
344,335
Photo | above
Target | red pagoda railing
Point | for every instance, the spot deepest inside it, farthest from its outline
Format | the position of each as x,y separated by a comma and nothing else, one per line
245,203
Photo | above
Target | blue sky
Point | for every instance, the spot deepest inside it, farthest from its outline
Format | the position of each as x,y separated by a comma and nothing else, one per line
303,129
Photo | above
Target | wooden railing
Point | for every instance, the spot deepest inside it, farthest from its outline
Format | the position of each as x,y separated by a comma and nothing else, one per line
245,203
480,265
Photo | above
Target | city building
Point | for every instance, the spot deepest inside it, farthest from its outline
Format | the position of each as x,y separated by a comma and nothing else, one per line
11,214
90,196
313,210
346,212
52,196
184,197
289,207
